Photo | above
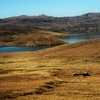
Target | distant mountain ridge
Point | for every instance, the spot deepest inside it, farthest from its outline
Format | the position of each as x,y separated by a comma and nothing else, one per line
89,22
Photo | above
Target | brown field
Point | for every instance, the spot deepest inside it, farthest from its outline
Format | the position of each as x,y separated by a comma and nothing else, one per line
25,37
48,74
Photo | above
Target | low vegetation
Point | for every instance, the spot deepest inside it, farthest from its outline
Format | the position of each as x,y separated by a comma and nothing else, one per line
31,37
49,74
87,23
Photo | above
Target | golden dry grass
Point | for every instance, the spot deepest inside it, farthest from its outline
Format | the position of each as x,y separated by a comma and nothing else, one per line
36,37
48,74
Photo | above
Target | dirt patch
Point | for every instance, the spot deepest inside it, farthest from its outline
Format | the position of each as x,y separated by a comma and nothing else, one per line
10,95
47,87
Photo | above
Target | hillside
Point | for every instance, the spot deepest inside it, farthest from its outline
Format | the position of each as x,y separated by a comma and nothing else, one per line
89,22
49,74
79,49
43,30
30,37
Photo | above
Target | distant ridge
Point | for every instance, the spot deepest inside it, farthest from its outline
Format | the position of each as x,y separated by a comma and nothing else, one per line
89,22
43,15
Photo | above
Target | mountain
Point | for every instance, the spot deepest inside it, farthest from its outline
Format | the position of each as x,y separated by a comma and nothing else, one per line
43,29
89,22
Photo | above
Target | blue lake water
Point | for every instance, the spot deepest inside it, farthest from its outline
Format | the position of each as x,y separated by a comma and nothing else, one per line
4,49
77,37
71,38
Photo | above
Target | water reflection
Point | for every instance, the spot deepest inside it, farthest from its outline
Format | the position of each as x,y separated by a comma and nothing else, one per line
21,49
68,38
77,37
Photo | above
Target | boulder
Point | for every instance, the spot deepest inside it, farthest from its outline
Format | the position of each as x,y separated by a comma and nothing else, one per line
30,44
82,74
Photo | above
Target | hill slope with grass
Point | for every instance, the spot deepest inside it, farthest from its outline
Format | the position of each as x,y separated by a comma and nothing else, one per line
50,74
31,37
27,30
89,22
86,48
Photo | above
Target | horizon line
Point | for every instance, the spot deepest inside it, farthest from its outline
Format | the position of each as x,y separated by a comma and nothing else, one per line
49,15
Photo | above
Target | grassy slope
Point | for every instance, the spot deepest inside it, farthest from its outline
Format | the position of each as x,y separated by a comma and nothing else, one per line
48,74
39,40
23,37
87,48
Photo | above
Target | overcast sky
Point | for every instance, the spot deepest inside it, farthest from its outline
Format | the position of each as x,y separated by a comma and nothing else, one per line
58,8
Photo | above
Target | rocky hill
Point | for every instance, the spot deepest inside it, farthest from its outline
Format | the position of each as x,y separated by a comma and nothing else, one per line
89,22
28,30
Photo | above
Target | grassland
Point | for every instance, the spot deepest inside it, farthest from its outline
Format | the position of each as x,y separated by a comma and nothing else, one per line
48,74
29,37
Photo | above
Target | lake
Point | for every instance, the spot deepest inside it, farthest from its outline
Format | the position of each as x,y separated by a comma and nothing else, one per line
77,37
71,38
4,49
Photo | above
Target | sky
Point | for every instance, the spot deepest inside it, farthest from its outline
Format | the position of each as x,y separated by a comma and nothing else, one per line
57,8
